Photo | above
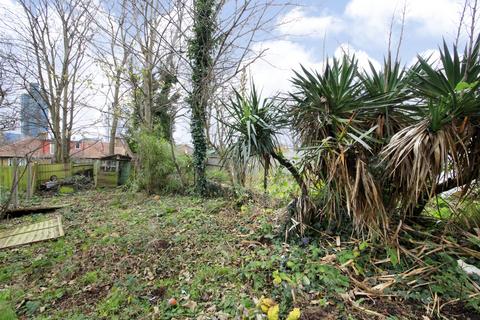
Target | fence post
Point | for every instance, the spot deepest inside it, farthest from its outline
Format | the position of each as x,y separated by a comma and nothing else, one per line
34,176
29,181
15,184
96,167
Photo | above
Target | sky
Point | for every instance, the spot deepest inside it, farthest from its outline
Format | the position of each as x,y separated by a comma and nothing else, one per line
318,29
314,30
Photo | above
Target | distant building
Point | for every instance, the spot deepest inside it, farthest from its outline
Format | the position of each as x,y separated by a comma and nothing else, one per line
91,149
185,149
12,136
41,150
34,112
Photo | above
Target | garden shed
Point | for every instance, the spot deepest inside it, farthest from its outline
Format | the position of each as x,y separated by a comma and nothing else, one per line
114,170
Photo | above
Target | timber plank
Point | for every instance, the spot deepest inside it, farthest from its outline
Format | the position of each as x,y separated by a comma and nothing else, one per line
45,230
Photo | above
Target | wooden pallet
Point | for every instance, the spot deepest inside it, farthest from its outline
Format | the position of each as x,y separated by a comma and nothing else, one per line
49,229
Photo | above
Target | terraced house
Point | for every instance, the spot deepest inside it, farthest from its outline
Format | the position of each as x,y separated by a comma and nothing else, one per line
41,150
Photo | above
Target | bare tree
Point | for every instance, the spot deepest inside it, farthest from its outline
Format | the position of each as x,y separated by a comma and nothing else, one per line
113,49
8,116
51,38
471,31
156,30
156,55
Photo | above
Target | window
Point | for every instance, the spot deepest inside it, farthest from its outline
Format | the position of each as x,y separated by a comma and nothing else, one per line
21,162
77,145
52,148
109,165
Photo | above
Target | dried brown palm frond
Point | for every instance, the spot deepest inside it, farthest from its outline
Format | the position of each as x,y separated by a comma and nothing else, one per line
418,159
305,210
348,187
366,199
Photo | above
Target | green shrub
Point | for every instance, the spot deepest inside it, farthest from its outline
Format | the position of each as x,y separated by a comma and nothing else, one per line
185,163
281,186
156,162
218,175
156,170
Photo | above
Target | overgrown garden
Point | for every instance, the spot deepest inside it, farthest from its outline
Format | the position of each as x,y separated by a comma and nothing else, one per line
354,195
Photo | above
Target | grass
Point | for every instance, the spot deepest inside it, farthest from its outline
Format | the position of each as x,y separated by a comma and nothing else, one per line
124,255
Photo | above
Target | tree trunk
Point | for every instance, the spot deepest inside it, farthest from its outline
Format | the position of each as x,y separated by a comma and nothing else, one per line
201,48
199,154
175,162
266,167
115,114
64,139
296,175
57,138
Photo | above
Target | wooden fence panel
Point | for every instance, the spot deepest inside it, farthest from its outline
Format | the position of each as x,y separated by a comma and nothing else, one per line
60,170
81,167
7,175
40,173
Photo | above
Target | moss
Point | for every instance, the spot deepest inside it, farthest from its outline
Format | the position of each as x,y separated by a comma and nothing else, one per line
66,190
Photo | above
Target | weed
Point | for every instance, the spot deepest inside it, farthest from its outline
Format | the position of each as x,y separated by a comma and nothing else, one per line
66,190
31,307
6,311
112,304
90,277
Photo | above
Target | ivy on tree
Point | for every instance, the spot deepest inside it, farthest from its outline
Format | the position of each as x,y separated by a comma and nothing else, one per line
200,51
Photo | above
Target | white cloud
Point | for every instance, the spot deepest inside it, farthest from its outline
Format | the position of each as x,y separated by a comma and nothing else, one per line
431,55
362,57
297,22
273,72
371,18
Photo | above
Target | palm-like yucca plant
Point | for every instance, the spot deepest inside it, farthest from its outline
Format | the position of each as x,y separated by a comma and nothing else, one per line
441,150
255,125
331,97
253,132
331,113
375,142
391,86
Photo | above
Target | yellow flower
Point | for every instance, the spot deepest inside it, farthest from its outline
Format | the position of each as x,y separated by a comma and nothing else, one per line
266,304
294,314
264,308
273,313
